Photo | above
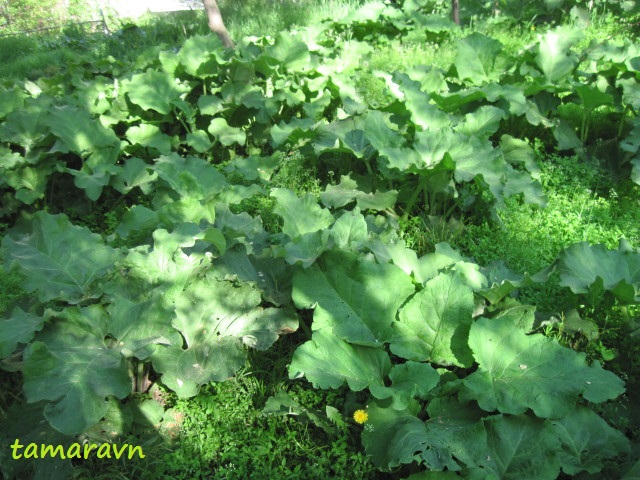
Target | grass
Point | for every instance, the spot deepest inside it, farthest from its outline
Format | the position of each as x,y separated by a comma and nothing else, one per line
44,54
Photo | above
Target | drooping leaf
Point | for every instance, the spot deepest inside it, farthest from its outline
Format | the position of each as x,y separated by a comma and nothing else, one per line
581,265
520,447
354,299
148,135
586,441
288,53
408,380
300,215
216,319
347,191
519,371
479,59
19,328
155,90
554,57
434,324
191,176
60,260
393,437
350,229
201,55
70,366
327,362
226,134
454,430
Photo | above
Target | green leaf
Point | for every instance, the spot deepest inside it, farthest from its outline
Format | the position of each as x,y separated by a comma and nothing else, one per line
581,265
519,154
327,362
79,132
300,215
519,371
25,127
60,260
183,371
354,299
216,318
148,135
434,324
586,441
347,191
520,447
481,123
199,141
225,134
408,380
190,177
134,173
138,322
155,90
201,55
554,57
479,59
289,53
592,98
350,229
393,437
70,366
454,430
19,328
566,136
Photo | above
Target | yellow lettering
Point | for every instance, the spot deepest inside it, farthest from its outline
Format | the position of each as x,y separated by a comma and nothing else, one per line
133,449
117,453
104,450
31,451
74,451
87,449
53,451
15,446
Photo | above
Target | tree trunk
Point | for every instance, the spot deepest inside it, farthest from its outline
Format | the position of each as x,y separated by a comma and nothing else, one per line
215,22
455,11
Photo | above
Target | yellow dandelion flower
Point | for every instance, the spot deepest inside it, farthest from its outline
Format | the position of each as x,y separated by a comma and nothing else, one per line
360,416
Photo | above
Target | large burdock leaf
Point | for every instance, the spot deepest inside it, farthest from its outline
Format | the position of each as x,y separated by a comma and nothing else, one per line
79,132
300,215
217,319
201,55
520,447
226,134
586,441
408,380
155,90
479,59
60,260
327,362
19,328
555,58
354,298
393,437
289,53
347,191
434,324
581,265
519,371
191,176
70,366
